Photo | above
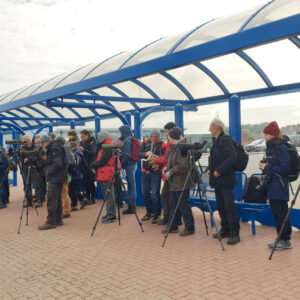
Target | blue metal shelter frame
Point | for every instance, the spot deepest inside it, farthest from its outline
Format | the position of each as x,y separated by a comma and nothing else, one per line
109,89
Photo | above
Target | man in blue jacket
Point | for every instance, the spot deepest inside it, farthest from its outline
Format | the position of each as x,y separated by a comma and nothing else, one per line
276,166
129,166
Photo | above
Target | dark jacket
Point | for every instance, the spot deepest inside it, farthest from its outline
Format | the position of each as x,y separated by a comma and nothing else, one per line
77,173
222,158
178,166
24,153
277,168
125,138
55,169
4,162
90,148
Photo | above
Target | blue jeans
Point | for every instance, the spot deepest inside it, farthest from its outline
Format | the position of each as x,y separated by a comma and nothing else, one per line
151,185
130,177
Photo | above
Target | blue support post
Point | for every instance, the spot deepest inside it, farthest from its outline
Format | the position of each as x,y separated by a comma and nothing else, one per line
179,116
99,194
235,132
1,138
137,134
128,118
50,128
15,175
72,124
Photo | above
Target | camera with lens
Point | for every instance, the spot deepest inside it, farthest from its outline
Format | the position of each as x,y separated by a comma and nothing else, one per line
146,165
265,178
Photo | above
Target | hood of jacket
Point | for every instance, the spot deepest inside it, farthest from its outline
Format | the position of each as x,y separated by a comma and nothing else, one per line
125,132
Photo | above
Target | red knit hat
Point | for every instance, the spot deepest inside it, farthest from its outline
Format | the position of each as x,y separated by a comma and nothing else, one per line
272,129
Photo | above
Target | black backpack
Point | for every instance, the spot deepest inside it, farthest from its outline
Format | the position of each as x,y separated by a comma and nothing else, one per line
294,162
242,157
251,195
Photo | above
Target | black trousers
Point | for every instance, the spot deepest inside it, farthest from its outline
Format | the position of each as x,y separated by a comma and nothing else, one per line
54,204
184,209
88,185
75,192
165,199
280,209
227,210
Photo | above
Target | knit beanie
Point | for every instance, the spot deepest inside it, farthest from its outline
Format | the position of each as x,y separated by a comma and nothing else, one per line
272,129
45,139
155,131
169,125
175,133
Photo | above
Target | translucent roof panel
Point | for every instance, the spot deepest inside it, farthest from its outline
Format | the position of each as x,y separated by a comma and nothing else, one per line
18,113
154,50
110,65
235,73
163,87
216,29
287,61
122,106
8,97
48,112
144,105
196,81
32,112
27,92
132,90
274,11
49,85
84,112
65,112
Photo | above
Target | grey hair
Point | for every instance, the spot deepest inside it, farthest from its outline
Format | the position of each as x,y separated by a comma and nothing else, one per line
218,123
27,137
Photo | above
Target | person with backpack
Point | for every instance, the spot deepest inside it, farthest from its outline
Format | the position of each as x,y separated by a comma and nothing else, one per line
76,172
56,175
222,178
88,146
276,166
129,164
151,175
104,168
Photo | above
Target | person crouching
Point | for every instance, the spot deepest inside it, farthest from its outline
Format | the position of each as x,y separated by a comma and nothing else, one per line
105,166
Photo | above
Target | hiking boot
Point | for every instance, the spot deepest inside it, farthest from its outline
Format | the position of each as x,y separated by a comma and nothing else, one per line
128,211
39,203
109,219
281,245
163,221
3,206
147,217
60,223
155,219
233,239
46,226
74,208
91,202
83,203
66,216
164,231
186,232
223,234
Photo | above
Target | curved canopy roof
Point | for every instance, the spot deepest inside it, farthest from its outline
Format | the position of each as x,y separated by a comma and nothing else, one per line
251,54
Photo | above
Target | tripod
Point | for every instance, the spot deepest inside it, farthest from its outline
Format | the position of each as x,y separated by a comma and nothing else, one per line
27,186
285,221
200,189
116,177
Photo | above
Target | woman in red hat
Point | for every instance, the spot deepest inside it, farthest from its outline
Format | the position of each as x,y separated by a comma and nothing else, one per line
275,166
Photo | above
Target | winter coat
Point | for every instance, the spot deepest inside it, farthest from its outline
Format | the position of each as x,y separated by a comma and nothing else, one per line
221,159
178,167
4,162
126,134
90,148
55,169
278,166
76,172
162,160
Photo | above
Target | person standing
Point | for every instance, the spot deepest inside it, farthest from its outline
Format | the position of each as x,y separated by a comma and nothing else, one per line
56,175
222,178
4,163
276,166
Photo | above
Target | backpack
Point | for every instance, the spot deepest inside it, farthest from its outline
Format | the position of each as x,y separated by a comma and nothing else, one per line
69,158
251,195
242,157
294,162
136,144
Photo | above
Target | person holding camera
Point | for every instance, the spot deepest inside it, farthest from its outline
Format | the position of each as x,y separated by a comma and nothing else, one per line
275,169
222,178
176,172
30,156
56,175
104,168
151,175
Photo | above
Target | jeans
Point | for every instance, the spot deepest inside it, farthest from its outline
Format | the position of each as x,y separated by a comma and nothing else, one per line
280,209
151,185
227,210
130,177
184,208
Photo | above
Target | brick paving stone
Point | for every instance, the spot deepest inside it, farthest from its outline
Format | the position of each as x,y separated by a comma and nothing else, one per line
121,262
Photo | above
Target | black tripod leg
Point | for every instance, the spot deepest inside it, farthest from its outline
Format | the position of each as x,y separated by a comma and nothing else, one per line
129,200
202,207
117,197
285,221
104,200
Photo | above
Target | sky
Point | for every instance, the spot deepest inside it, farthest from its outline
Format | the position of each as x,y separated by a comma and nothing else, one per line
40,39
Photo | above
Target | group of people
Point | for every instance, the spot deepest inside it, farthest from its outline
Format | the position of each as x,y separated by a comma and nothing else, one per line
65,171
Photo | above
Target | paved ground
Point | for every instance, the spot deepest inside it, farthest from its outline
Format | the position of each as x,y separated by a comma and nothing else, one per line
121,262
